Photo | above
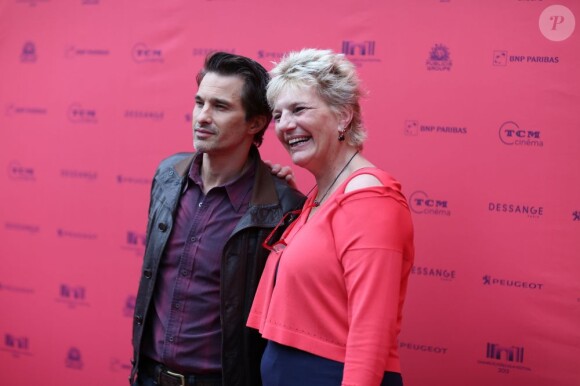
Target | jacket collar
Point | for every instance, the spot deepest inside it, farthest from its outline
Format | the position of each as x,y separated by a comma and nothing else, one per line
264,189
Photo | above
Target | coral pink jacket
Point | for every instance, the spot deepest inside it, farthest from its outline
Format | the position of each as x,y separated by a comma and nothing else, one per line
337,289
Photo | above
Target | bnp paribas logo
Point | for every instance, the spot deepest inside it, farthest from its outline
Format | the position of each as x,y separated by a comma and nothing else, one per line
439,58
360,52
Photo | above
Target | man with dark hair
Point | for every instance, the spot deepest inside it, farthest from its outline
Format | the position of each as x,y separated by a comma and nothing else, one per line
209,213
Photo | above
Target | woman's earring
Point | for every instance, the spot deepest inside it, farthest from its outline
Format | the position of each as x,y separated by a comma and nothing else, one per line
341,135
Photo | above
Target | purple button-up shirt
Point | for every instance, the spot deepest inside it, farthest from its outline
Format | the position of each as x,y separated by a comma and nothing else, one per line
184,322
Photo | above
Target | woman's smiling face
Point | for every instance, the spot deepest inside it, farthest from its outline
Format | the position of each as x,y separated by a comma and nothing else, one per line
306,126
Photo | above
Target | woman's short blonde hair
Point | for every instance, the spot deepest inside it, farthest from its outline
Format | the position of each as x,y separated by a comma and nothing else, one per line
334,78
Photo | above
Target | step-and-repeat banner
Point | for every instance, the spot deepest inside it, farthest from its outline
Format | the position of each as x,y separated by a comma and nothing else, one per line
473,105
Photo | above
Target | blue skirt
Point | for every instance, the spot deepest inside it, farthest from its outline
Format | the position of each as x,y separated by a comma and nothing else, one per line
287,366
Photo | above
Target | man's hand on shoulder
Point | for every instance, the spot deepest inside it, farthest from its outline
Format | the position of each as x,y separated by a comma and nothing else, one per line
282,172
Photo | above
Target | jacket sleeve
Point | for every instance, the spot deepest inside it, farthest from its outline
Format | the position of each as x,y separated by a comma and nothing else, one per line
373,229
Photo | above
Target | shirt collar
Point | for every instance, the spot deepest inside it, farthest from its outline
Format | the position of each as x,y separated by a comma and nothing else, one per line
238,189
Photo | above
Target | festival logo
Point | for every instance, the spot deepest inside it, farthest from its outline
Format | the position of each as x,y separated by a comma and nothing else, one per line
20,173
531,211
576,215
426,348
135,242
414,128
439,58
439,273
151,115
511,134
421,203
16,345
557,23
504,357
76,113
73,296
360,52
28,53
141,53
129,307
488,280
74,359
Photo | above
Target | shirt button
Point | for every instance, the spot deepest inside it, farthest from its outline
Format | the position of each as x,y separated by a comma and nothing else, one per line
200,204
184,272
193,239
171,339
177,305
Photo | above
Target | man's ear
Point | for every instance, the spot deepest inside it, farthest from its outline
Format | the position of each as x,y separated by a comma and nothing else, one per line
256,124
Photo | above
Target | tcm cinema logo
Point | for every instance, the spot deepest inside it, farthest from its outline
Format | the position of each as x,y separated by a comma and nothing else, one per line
423,348
531,211
201,51
12,110
74,359
76,113
439,58
73,296
144,114
421,203
502,58
72,52
511,134
16,345
414,128
488,280
557,23
438,273
504,358
141,53
360,52
28,53
18,172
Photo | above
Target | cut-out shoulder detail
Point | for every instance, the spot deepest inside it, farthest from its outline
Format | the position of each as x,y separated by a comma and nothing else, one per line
362,181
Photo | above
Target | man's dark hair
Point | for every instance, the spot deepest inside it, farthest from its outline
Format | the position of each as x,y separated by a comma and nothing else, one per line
255,78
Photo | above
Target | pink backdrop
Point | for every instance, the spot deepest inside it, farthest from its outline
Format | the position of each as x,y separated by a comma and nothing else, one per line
472,105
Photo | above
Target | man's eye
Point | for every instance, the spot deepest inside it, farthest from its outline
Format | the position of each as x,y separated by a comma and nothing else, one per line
276,117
